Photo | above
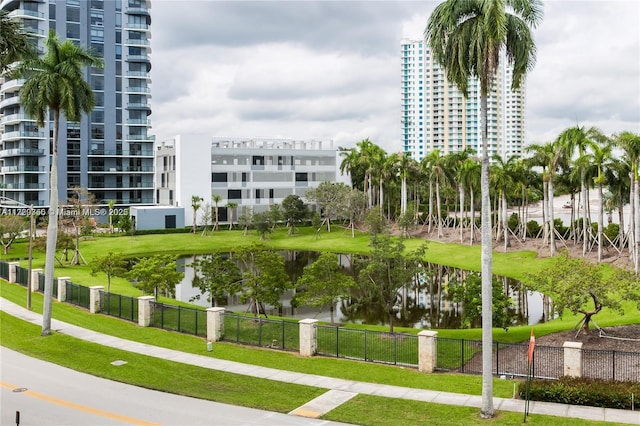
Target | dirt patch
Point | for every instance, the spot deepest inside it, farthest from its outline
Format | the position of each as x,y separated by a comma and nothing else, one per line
624,338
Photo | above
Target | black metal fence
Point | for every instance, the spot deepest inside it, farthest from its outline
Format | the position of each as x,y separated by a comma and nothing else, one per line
178,318
366,345
258,331
124,307
4,271
511,360
611,365
77,295
22,276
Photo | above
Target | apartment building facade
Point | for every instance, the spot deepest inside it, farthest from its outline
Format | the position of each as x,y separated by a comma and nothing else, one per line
253,173
435,115
110,151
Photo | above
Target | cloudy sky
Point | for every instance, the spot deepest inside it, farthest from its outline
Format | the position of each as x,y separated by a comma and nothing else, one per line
331,69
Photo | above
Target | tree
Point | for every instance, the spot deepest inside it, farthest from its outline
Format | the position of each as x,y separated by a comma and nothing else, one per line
466,38
263,223
112,264
216,200
196,203
111,204
205,218
245,220
11,226
216,276
323,283
386,271
79,206
156,275
264,279
54,85
295,211
15,43
580,286
330,198
231,206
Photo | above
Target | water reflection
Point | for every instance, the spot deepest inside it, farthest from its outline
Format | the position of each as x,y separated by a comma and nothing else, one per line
428,305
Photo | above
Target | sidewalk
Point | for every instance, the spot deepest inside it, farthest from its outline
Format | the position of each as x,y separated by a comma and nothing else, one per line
339,390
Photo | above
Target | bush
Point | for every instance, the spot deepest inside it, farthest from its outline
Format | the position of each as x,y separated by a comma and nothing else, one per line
582,391
513,222
533,227
611,231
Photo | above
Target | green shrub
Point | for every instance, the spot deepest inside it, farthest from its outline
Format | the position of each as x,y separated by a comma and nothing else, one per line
533,227
611,231
513,222
583,391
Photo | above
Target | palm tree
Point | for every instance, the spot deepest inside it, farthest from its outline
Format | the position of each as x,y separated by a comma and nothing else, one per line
216,199
630,143
470,178
466,38
15,44
53,85
601,156
230,207
196,202
435,163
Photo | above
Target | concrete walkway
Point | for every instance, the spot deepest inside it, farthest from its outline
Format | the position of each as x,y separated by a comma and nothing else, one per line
339,390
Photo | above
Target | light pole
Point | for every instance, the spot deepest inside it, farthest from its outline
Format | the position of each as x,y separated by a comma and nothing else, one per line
30,252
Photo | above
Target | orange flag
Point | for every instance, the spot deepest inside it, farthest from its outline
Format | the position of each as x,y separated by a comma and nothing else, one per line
532,345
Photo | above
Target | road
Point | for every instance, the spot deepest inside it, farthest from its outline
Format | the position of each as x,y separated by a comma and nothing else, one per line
46,394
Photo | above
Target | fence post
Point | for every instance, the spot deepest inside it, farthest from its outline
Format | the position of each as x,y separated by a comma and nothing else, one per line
94,298
427,351
62,288
572,359
35,280
145,310
308,337
13,271
215,324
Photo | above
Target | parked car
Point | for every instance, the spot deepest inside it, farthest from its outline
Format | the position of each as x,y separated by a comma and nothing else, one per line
567,205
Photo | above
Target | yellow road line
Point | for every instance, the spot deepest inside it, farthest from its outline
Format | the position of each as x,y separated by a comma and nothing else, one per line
79,407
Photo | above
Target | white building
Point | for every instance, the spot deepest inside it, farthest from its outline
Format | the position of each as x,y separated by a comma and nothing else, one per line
253,173
435,115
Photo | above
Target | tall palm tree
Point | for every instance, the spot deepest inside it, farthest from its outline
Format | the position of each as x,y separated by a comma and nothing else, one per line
15,43
216,200
54,84
196,203
466,38
470,178
601,156
630,143
230,208
435,163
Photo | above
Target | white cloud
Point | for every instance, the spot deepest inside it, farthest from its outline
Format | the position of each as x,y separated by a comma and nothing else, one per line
331,70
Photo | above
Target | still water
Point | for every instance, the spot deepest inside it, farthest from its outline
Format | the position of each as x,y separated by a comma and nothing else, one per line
427,306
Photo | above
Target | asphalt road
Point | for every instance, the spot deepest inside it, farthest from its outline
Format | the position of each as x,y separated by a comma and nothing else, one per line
46,394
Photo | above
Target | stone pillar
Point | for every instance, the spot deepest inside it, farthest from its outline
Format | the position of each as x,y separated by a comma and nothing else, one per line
13,271
572,359
145,310
308,337
62,288
94,298
215,324
427,351
35,277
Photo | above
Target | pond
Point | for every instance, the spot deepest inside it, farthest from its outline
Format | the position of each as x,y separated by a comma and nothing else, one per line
429,305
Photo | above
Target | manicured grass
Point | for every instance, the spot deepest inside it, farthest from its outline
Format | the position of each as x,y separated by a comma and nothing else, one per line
154,373
378,411
331,367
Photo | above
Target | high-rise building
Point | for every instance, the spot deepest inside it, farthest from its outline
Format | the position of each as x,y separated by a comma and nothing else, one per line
435,115
110,151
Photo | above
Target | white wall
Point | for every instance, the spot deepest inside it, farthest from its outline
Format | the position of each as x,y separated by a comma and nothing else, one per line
193,171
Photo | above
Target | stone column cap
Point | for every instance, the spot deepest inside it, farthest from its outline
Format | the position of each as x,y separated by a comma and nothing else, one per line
428,333
146,298
572,345
216,309
308,321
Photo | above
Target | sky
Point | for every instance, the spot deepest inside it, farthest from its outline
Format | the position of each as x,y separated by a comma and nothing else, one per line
330,70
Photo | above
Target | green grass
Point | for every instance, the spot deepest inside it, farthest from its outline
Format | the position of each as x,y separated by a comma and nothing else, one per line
182,379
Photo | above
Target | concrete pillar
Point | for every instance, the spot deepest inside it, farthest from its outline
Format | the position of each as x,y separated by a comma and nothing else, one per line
215,324
13,271
35,279
94,298
572,359
145,310
308,337
427,351
62,288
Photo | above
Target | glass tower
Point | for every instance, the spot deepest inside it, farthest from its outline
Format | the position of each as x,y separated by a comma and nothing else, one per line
110,151
435,115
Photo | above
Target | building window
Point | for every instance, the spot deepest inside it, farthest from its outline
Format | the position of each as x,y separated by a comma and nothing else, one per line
234,194
257,160
218,177
302,177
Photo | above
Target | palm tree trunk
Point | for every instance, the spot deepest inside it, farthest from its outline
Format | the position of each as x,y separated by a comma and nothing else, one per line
585,235
473,216
600,222
545,198
636,228
486,275
52,230
461,189
430,205
505,220
438,206
552,225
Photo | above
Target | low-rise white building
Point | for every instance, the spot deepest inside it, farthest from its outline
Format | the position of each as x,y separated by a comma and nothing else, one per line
249,172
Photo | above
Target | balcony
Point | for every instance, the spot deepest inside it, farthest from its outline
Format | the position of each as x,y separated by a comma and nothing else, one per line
20,186
12,85
141,138
27,14
21,134
136,26
15,118
17,152
138,58
121,169
138,122
137,42
119,153
138,105
141,9
138,90
22,169
137,74
13,100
